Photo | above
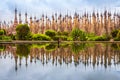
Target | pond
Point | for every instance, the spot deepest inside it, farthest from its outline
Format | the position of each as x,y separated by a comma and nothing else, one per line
66,61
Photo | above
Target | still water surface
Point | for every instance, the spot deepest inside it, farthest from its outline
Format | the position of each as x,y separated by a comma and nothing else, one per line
67,61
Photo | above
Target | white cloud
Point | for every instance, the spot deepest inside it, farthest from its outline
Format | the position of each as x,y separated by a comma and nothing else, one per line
37,7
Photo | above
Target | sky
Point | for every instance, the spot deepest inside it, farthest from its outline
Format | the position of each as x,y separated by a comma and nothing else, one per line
49,7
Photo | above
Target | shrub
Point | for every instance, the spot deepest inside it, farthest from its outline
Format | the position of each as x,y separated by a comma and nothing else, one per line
23,31
114,33
29,37
50,33
1,32
41,37
99,38
118,35
56,38
6,38
69,39
59,33
13,37
64,38
65,33
78,34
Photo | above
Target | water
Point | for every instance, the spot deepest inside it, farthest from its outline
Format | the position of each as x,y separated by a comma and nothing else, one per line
67,61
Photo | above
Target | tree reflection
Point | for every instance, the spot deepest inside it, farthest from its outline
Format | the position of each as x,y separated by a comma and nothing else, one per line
88,54
77,47
23,50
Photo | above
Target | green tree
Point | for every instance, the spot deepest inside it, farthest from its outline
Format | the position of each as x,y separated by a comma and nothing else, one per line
23,31
78,34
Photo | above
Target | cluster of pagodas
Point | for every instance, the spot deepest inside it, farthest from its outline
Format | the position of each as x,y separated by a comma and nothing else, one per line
98,23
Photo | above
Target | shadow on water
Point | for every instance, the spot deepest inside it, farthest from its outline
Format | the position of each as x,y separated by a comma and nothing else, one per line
88,54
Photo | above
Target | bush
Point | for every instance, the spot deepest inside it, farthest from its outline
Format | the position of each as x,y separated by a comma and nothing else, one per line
78,34
29,37
56,38
50,33
23,31
64,38
69,39
41,37
13,37
1,32
6,38
114,33
65,33
99,38
116,39
59,33
118,35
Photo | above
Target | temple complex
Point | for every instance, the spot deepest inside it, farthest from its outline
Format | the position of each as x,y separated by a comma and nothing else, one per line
95,22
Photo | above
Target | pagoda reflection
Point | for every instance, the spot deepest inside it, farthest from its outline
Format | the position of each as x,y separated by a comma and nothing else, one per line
95,54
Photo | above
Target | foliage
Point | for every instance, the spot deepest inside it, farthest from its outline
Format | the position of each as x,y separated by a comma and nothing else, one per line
69,39
65,33
118,35
23,50
56,38
1,32
5,38
62,37
41,37
78,34
114,33
99,38
13,37
29,37
50,33
23,31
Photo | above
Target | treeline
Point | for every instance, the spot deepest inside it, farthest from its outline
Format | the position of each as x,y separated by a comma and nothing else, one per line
23,33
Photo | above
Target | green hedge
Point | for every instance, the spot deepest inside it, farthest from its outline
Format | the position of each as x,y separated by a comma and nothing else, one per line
99,38
41,37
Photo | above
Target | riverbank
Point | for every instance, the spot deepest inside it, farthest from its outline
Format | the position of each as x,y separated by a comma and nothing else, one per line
19,41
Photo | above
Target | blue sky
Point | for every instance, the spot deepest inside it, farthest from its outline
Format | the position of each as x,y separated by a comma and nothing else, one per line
37,7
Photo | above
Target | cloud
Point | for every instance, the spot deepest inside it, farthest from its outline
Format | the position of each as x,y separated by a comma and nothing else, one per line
38,7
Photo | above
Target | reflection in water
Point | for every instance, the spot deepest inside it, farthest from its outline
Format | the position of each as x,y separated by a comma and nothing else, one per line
89,54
